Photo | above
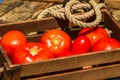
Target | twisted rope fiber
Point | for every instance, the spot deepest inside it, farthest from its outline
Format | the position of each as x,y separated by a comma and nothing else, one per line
88,14
65,12
58,10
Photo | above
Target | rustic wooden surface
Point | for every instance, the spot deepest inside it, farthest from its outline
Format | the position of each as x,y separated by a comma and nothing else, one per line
16,10
22,10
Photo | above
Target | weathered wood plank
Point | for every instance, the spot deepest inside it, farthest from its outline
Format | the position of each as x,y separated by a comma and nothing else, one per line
28,10
98,73
6,6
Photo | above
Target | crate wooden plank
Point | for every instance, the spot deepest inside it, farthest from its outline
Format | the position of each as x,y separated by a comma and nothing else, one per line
71,62
2,60
12,74
64,63
98,73
111,22
1,72
30,26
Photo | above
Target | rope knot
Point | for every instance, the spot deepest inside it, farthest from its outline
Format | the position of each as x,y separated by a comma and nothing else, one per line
76,11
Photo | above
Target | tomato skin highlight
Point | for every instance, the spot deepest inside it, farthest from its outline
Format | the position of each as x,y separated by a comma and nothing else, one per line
13,40
32,52
81,45
94,34
106,44
57,41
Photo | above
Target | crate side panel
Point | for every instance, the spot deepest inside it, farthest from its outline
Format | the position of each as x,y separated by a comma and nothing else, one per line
98,73
30,26
112,24
67,63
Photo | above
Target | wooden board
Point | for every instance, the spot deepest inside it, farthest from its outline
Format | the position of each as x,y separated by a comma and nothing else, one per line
98,73
6,6
19,10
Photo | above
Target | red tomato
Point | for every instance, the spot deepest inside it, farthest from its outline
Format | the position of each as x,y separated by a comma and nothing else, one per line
106,44
81,45
57,41
65,53
12,40
32,52
94,34
0,41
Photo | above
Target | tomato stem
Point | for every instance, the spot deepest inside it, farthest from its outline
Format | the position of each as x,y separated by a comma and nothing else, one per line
33,51
56,41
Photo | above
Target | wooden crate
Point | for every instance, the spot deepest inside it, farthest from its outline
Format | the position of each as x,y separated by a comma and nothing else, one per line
2,60
1,71
105,64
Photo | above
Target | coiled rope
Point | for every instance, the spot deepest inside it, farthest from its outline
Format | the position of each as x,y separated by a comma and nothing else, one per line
84,11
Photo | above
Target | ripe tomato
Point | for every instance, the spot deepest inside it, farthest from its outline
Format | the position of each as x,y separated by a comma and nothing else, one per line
65,53
12,40
32,51
106,44
56,40
0,41
81,45
94,34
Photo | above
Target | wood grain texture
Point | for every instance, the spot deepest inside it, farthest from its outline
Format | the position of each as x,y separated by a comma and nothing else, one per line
98,73
24,12
7,6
